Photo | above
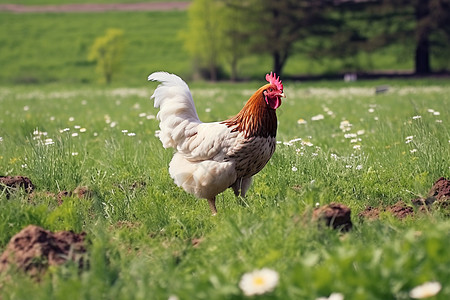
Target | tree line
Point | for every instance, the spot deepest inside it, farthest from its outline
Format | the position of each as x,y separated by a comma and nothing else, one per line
223,32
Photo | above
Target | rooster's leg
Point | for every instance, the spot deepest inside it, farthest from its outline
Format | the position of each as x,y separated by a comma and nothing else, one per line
212,205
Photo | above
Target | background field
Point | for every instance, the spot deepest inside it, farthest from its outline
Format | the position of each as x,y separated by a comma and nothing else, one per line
148,239
44,48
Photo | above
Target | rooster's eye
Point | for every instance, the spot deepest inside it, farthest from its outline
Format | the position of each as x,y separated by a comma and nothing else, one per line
270,90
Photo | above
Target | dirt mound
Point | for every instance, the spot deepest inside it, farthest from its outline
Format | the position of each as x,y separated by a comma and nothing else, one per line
80,192
10,184
438,196
335,215
399,210
34,249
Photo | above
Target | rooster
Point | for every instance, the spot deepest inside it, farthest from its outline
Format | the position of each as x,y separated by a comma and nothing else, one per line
211,157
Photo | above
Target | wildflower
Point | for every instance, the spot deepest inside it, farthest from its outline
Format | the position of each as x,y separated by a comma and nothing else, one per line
438,121
48,142
301,121
150,117
77,126
359,167
350,135
64,130
24,166
413,150
428,289
436,113
348,166
124,131
131,134
141,115
345,125
26,108
52,118
314,154
71,119
357,147
333,296
74,153
318,117
307,143
1,139
430,110
416,117
83,129
83,102
295,140
259,282
360,132
173,297
334,156
371,110
208,110
409,139
75,134
294,169
317,204
113,124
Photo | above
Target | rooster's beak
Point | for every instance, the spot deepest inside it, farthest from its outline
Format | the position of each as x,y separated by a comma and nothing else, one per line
282,95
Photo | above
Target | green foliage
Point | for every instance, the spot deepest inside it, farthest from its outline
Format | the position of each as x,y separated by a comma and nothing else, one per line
31,53
107,51
205,37
142,228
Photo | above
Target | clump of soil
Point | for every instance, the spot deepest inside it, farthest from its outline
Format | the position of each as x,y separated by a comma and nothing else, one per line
11,184
34,249
438,196
80,192
335,215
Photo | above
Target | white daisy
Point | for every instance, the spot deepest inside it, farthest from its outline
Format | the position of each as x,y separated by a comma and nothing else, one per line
259,282
333,296
428,289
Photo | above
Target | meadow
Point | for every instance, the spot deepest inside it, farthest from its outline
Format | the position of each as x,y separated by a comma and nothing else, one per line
53,48
148,239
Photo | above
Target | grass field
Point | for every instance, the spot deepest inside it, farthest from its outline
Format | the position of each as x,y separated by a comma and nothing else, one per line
351,146
45,48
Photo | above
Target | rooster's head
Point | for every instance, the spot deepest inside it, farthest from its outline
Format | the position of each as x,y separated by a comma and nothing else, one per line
273,91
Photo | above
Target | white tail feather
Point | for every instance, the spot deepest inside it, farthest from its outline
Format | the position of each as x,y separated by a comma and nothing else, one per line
178,116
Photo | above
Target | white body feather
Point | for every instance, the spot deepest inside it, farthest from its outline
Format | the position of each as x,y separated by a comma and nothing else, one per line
205,163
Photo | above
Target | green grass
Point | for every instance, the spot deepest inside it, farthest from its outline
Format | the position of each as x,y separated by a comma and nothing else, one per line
141,226
44,48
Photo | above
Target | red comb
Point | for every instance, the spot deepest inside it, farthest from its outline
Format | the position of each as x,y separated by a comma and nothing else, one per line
273,79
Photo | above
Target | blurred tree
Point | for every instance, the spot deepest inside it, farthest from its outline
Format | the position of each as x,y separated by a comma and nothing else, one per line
276,27
424,24
204,36
107,51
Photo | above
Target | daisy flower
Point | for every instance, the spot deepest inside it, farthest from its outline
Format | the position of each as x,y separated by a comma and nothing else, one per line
428,289
259,282
333,296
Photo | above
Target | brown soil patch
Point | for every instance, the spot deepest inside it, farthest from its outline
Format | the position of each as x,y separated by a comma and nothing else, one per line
34,249
10,184
437,197
92,7
335,215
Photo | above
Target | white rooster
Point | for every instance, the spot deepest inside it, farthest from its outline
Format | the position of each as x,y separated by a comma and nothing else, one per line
211,157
